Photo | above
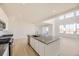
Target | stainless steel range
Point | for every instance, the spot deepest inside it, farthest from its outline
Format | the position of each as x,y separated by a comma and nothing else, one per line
5,45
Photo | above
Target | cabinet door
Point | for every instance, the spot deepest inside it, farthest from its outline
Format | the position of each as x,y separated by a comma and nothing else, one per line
32,43
52,49
36,46
41,48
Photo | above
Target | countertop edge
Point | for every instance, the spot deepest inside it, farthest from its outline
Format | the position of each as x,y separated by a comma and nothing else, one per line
45,42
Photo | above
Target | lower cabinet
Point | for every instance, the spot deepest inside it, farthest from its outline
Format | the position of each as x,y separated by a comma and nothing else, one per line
32,42
36,46
41,48
52,49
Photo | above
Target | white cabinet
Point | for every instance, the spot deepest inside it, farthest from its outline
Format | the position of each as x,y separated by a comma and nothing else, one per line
32,42
52,49
36,47
41,48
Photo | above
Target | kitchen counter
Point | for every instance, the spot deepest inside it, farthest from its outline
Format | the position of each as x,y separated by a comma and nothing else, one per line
46,40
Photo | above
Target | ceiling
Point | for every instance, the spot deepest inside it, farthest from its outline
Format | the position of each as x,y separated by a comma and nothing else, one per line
35,12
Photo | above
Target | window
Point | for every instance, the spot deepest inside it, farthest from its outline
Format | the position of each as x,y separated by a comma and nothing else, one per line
67,28
61,28
61,17
68,15
72,28
45,30
77,29
77,13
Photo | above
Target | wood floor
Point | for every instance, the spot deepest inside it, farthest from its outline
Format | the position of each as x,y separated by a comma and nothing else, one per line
21,48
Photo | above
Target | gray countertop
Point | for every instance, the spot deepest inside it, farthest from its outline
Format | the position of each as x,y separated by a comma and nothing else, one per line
46,40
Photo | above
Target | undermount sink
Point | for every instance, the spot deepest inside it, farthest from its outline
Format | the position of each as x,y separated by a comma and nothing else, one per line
35,36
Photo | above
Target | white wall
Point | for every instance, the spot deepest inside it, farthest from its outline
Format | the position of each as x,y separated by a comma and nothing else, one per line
20,28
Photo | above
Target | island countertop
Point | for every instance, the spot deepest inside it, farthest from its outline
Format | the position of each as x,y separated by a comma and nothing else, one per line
46,40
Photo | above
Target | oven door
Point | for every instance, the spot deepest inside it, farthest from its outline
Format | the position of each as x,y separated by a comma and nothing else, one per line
6,50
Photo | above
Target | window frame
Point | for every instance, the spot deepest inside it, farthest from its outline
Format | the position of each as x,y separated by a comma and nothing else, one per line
77,13
69,15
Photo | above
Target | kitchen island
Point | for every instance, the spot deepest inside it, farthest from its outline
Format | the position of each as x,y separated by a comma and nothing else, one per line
45,46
